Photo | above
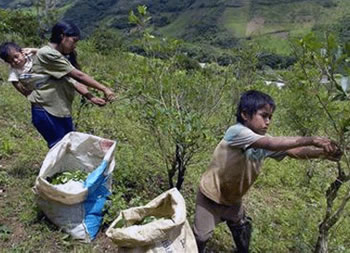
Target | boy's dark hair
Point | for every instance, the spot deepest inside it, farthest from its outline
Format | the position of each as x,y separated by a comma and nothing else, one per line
251,101
5,49
69,29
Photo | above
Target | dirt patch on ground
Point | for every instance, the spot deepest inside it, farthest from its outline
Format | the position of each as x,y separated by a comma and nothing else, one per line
305,19
282,35
104,244
18,233
254,25
12,232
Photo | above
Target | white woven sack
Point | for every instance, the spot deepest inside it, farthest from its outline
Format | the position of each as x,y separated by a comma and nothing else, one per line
169,233
77,207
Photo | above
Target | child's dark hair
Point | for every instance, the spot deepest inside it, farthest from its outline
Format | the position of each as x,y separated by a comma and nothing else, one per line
251,101
5,49
69,29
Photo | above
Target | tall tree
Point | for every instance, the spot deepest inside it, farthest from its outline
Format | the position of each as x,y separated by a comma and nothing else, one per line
176,104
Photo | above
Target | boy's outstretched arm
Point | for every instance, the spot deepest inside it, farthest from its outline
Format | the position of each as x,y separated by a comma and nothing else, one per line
312,152
301,147
286,143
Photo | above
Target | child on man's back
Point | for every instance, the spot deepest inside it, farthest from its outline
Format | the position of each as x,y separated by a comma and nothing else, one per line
21,64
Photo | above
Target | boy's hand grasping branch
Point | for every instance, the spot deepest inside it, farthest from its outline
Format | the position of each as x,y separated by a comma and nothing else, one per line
330,148
326,144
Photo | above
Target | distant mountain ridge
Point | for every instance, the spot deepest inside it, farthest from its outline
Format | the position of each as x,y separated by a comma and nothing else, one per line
220,22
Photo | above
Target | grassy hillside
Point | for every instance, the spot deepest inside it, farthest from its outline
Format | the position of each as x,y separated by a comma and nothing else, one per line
161,98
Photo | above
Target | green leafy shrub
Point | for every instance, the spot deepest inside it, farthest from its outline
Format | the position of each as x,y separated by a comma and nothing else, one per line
19,26
106,40
6,147
5,179
5,232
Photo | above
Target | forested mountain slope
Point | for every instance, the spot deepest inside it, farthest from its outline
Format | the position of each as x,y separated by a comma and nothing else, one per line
219,22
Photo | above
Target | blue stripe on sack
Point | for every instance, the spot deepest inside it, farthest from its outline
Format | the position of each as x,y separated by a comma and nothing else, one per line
97,195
